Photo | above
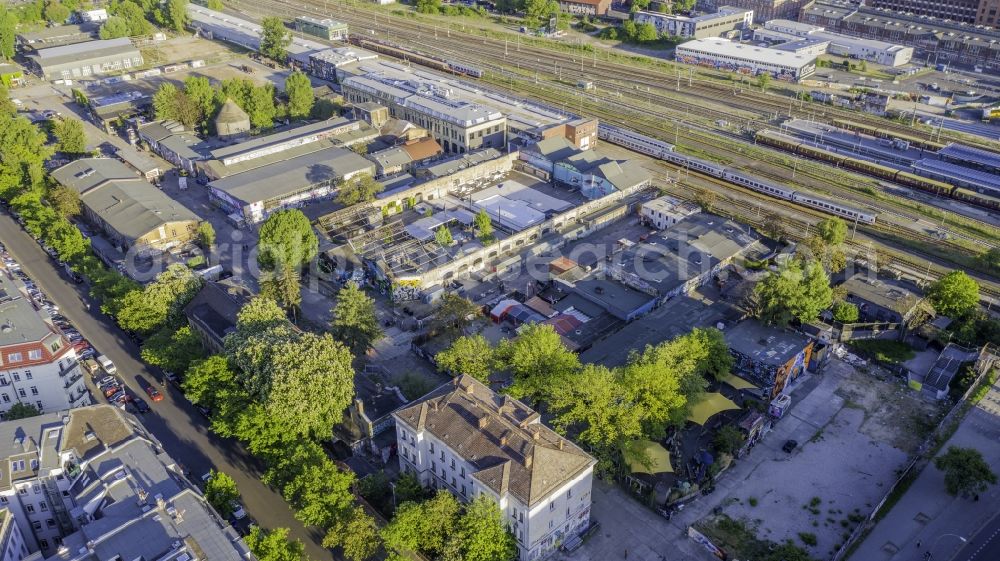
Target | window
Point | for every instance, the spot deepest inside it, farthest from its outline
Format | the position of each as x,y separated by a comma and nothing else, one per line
29,508
36,488
552,506
39,404
453,463
432,447
35,354
14,357
27,373
34,464
462,472
43,543
569,494
551,523
442,455
50,523
3,500
34,390
16,376
4,381
22,393
43,506
433,466
6,398
36,525
22,490
453,481
463,489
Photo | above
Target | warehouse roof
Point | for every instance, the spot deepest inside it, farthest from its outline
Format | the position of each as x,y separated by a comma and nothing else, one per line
765,344
80,52
290,176
304,133
724,47
134,207
85,174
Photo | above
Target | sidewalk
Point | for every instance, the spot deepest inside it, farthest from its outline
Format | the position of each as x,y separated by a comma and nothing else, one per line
927,518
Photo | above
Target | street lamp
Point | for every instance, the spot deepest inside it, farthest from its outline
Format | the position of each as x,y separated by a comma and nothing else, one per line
928,555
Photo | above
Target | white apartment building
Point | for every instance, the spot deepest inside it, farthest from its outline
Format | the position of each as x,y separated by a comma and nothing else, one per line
12,545
467,439
663,212
38,366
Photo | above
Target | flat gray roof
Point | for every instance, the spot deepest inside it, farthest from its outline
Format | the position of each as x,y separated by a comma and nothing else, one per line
890,294
273,140
765,344
21,322
290,176
81,52
86,173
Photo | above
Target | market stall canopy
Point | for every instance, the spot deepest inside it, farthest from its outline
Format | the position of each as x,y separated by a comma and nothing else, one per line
711,404
738,383
659,457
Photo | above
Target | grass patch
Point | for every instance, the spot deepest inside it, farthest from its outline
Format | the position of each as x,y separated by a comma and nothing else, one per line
883,351
740,540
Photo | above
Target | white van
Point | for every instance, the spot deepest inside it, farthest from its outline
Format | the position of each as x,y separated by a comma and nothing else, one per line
106,364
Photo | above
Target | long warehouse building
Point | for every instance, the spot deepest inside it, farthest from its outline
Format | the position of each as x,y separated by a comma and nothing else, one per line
93,58
726,55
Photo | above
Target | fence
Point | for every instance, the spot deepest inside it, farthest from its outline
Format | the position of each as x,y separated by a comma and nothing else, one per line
987,361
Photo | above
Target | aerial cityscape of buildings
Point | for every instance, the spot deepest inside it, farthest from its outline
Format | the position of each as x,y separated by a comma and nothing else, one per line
583,280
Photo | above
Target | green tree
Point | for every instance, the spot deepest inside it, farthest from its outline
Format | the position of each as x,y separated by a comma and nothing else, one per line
354,320
359,189
424,527
954,294
965,471
299,90
443,236
630,30
763,80
538,12
55,12
161,301
274,39
470,354
639,5
237,89
286,237
538,361
359,537
283,286
221,492
23,151
260,107
172,349
409,489
206,235
216,5
729,440
64,200
845,312
484,226
428,6
646,33
70,137
165,101
483,532
274,545
113,28
832,230
683,5
134,17
453,314
21,411
200,93
794,293
321,495
176,14
8,33
209,382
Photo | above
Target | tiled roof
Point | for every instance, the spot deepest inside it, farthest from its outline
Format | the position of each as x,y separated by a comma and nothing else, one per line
501,437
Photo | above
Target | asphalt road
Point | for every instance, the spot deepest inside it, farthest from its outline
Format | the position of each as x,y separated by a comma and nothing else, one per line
174,421
984,546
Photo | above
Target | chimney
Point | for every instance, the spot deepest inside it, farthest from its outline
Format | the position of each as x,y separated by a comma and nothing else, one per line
561,443
360,405
484,421
470,389
434,406
536,435
527,460
503,440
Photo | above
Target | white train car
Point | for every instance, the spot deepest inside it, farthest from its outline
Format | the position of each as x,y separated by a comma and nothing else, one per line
466,69
824,205
635,141
665,151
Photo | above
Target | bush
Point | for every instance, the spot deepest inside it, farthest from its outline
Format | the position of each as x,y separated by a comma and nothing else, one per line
883,351
845,312
808,538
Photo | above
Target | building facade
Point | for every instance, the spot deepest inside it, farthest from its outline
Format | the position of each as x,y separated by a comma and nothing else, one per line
93,58
459,126
726,20
871,50
664,212
964,11
770,357
470,441
38,366
747,59
763,10
585,7
327,28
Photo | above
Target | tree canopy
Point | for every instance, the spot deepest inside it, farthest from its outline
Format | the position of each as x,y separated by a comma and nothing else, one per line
538,360
70,137
274,39
274,545
354,320
794,292
955,294
160,302
221,492
470,354
113,28
965,471
286,237
299,91
845,312
21,411
359,189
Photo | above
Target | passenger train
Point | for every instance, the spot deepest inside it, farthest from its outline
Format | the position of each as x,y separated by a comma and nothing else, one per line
665,151
906,178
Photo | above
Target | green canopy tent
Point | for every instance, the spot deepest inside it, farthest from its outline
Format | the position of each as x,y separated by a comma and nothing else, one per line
711,404
637,453
737,383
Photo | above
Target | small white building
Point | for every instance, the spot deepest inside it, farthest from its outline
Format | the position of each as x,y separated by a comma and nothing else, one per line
726,20
724,54
878,52
467,439
664,212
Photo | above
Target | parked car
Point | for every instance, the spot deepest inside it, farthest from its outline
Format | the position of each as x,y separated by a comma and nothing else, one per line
140,405
154,394
238,512
106,364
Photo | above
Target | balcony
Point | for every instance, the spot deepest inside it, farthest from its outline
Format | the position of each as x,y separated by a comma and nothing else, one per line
69,368
72,380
